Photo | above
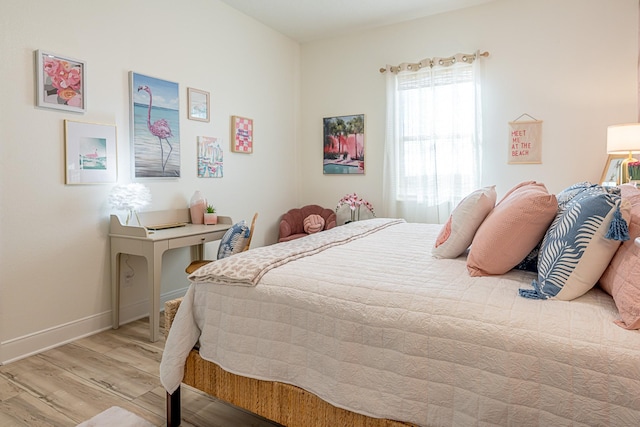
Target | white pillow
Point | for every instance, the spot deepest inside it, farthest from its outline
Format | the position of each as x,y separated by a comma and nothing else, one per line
457,233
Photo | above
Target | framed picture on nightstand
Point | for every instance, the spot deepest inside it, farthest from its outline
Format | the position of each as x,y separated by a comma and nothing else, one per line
611,173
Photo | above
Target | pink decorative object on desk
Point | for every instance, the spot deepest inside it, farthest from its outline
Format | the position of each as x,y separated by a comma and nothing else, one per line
197,206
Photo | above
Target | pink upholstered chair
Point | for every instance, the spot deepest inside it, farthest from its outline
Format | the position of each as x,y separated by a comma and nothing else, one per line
292,223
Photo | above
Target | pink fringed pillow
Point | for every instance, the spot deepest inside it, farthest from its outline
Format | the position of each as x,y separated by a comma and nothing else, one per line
313,224
621,279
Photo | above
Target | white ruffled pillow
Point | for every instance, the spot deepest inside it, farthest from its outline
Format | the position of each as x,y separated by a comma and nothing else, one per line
457,233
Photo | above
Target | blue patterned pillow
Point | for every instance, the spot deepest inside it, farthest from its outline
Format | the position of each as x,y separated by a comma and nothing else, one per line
569,193
234,240
580,243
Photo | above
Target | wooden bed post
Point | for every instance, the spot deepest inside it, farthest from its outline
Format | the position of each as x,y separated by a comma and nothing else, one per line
173,408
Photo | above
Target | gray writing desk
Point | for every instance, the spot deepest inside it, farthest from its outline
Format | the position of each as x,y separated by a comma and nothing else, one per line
138,240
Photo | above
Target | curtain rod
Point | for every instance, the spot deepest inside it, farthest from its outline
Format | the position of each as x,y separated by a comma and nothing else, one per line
432,62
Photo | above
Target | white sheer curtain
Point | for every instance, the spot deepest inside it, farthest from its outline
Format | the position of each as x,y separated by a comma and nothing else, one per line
433,138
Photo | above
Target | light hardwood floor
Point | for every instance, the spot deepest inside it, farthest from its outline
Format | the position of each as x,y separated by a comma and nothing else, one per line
72,383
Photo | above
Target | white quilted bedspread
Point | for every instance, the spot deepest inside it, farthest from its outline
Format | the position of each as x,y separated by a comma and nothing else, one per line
378,326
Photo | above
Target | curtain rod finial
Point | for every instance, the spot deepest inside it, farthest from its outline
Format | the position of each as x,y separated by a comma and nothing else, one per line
382,70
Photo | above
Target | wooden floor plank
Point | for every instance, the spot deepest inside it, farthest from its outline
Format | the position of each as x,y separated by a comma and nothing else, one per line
66,385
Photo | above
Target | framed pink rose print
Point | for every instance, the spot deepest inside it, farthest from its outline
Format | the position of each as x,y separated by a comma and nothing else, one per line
60,82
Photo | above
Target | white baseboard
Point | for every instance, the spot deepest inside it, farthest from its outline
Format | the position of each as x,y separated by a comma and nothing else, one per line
37,342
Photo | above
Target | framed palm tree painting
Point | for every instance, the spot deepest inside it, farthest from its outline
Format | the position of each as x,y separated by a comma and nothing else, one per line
343,145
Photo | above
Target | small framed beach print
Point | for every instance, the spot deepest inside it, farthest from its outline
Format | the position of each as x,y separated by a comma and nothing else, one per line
198,101
60,82
90,153
241,135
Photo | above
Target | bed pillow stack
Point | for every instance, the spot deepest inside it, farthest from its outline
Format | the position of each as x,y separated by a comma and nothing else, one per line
621,279
580,243
457,233
512,230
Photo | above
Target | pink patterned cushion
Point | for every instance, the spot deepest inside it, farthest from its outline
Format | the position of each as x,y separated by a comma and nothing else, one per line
621,279
313,224
512,229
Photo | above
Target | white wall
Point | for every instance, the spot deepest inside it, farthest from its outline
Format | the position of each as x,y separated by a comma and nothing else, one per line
54,259
570,63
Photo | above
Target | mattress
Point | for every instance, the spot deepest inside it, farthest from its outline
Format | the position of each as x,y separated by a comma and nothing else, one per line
375,325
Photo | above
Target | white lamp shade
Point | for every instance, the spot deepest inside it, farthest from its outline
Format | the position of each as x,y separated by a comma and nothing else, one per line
623,139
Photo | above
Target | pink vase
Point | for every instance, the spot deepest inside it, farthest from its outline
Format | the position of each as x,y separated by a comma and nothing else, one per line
197,207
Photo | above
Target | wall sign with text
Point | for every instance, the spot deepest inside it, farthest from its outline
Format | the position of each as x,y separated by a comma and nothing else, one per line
525,142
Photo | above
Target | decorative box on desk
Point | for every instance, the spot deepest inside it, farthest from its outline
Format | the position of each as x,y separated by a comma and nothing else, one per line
151,244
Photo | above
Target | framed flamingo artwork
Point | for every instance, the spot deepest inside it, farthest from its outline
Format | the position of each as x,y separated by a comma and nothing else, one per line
90,152
60,82
155,127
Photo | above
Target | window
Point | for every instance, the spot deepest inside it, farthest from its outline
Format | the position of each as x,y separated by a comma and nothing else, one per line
432,156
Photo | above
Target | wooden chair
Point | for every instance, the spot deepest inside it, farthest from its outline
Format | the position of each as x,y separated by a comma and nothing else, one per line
200,262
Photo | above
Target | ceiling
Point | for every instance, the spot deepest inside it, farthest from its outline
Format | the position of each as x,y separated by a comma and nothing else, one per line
307,20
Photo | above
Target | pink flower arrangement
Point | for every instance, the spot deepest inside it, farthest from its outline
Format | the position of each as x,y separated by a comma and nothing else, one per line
355,203
65,79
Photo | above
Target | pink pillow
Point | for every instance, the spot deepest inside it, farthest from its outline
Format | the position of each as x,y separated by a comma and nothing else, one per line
621,279
313,224
456,235
512,229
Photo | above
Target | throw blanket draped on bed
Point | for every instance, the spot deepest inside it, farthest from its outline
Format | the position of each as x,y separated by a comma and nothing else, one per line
248,268
378,326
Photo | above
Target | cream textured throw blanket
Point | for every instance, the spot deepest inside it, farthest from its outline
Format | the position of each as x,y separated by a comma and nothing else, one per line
247,268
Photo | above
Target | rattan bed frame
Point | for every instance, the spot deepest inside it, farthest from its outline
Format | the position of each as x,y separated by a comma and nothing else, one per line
283,403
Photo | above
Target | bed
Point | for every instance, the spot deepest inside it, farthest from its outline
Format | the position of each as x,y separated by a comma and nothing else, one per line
360,325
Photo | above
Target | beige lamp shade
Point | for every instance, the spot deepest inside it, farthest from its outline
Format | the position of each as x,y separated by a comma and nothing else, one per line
624,139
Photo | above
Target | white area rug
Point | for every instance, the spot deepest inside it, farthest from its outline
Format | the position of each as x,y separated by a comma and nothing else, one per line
116,416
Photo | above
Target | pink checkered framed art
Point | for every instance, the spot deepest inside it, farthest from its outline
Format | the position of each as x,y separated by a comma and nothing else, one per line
241,135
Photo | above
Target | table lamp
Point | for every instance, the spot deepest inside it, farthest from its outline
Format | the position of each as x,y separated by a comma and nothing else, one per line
624,139
130,197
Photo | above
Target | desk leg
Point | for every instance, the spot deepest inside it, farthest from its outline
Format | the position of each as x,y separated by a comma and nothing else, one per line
115,289
197,252
154,272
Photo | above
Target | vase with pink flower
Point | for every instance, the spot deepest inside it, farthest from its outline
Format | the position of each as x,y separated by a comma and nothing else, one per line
355,204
